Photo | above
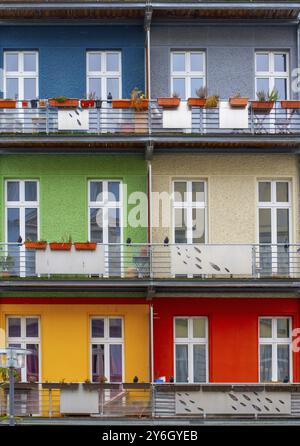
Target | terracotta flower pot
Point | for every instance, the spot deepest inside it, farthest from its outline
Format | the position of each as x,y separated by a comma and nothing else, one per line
290,104
8,103
196,102
71,103
87,103
54,246
121,103
24,104
168,102
88,246
36,245
265,106
238,102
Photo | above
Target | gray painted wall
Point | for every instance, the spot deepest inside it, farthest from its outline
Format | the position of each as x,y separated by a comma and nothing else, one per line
229,54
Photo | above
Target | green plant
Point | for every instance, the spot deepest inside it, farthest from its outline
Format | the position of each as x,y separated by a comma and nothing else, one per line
212,101
66,238
201,92
60,99
4,374
237,95
175,94
273,95
261,95
137,97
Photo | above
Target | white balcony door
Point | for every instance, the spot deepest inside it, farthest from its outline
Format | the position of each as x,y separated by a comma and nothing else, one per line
21,75
187,73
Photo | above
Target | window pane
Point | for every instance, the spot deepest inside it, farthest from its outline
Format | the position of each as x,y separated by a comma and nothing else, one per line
198,194
12,88
112,62
196,83
283,363
181,328
96,225
264,191
14,327
265,226
112,86
114,230
13,224
265,328
262,85
197,62
12,62
115,328
181,353
115,362
32,363
180,226
282,225
95,88
283,328
13,192
199,352
280,63
29,62
30,191
96,190
97,328
179,88
282,192
281,87
113,191
178,62
180,191
97,362
29,89
31,224
198,229
32,327
199,328
262,62
94,62
265,363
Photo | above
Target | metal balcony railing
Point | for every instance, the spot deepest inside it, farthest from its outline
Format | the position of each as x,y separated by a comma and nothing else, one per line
155,120
152,261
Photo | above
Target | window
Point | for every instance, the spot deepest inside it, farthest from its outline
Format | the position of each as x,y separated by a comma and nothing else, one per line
24,332
187,72
107,341
21,75
191,345
274,222
275,341
272,72
104,74
189,211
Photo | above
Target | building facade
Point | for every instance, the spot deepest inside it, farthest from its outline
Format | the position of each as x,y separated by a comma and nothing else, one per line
168,228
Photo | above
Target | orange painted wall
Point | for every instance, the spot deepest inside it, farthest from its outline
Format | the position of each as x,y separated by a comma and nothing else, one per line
233,333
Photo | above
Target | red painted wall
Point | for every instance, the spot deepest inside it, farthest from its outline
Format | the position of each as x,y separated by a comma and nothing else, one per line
233,333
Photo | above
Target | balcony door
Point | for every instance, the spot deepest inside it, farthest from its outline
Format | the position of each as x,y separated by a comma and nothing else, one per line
274,225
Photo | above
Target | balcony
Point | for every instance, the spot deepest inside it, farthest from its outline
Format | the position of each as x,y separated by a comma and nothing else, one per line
151,265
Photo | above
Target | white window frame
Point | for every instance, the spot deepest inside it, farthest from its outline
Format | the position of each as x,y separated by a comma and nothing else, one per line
187,74
274,341
21,74
22,205
23,340
106,341
103,74
190,341
189,205
272,74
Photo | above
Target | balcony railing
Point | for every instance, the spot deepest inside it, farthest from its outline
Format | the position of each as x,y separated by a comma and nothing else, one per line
152,262
155,120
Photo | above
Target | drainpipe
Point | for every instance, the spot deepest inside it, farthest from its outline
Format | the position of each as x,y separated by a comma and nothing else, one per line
147,25
149,198
298,54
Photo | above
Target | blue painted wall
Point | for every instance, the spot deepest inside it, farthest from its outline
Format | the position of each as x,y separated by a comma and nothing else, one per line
62,54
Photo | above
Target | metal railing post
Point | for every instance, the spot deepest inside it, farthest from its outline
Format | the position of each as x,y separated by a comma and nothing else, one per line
11,396
254,270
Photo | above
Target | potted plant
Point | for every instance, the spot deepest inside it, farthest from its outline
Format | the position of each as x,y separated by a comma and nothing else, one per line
6,265
138,100
43,103
89,102
172,102
34,103
60,385
86,246
265,101
293,104
238,101
8,103
121,103
64,245
40,244
212,101
24,104
62,101
98,103
200,100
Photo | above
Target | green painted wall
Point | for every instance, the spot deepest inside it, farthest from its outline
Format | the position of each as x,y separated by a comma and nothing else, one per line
63,183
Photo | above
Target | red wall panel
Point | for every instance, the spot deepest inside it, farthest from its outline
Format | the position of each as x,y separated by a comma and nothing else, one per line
233,333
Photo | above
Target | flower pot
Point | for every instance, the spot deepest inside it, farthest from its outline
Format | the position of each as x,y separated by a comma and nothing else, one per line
70,103
60,385
8,103
87,246
263,106
141,104
121,103
36,245
238,102
87,103
34,103
98,103
168,102
43,103
290,104
54,246
196,102
24,104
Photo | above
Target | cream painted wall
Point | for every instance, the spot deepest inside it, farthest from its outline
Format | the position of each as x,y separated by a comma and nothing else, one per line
232,191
